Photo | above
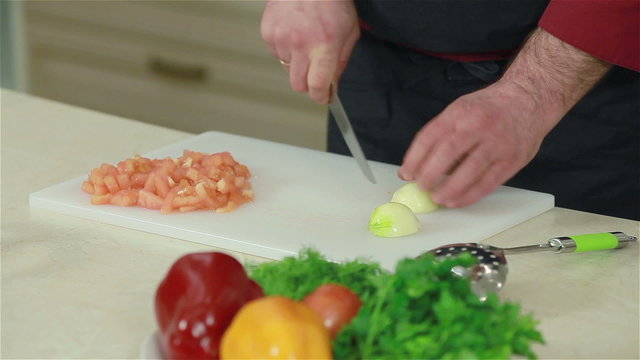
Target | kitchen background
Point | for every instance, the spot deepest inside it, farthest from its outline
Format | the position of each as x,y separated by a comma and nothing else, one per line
190,65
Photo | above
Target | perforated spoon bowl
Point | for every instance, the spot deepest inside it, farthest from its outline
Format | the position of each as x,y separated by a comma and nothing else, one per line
489,274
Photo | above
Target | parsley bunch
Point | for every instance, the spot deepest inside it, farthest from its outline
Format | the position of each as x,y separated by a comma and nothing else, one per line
421,311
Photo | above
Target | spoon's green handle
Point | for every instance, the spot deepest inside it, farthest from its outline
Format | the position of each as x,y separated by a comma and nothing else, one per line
591,242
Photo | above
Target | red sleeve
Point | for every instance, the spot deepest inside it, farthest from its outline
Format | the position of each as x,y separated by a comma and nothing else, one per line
606,29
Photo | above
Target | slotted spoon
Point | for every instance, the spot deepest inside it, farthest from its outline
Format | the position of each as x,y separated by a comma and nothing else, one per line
489,274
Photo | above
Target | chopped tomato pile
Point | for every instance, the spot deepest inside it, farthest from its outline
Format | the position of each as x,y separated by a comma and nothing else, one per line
194,181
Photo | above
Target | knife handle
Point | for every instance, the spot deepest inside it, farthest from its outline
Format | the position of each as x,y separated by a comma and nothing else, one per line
591,242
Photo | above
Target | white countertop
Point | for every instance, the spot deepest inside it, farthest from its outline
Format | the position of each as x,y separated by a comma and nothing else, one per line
74,288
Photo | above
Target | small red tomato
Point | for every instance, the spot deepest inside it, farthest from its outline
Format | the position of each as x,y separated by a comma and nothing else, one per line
336,305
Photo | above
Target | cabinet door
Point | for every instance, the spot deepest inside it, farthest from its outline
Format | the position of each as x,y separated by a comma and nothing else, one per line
187,80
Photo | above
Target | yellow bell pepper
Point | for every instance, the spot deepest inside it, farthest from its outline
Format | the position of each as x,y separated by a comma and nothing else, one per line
276,327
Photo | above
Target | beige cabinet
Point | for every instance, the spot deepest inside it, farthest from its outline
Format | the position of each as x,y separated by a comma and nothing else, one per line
190,65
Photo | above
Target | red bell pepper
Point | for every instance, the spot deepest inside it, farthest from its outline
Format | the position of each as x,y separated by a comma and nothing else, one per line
196,302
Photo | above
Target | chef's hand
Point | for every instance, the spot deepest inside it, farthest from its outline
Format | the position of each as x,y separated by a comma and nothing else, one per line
313,40
484,138
481,140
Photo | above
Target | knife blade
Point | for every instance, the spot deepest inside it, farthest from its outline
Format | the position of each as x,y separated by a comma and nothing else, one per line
342,120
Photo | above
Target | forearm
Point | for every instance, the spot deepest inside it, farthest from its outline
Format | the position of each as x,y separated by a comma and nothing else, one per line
553,75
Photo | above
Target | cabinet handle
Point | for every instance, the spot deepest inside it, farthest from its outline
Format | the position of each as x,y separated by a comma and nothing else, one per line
177,70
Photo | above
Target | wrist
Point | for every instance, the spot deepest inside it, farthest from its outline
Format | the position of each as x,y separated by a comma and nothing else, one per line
525,103
552,76
543,103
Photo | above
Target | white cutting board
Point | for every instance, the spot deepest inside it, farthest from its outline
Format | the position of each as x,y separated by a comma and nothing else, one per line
303,198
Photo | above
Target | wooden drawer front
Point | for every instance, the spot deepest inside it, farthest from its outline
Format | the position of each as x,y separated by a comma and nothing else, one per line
230,25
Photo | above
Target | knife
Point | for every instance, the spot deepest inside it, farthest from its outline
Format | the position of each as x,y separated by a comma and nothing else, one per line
341,118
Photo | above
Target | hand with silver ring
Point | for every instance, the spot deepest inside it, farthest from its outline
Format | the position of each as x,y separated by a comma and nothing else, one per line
312,40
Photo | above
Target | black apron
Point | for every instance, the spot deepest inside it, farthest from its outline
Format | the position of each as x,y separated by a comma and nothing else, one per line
590,161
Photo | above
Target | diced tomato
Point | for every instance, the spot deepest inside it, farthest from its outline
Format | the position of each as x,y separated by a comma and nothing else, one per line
230,207
237,197
142,164
207,162
167,203
139,179
125,198
179,174
248,193
165,166
228,159
162,185
97,176
149,200
126,166
193,155
214,173
100,189
242,171
239,181
223,186
150,185
101,199
193,174
191,182
123,181
109,169
87,187
221,199
203,196
111,183
217,160
185,200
